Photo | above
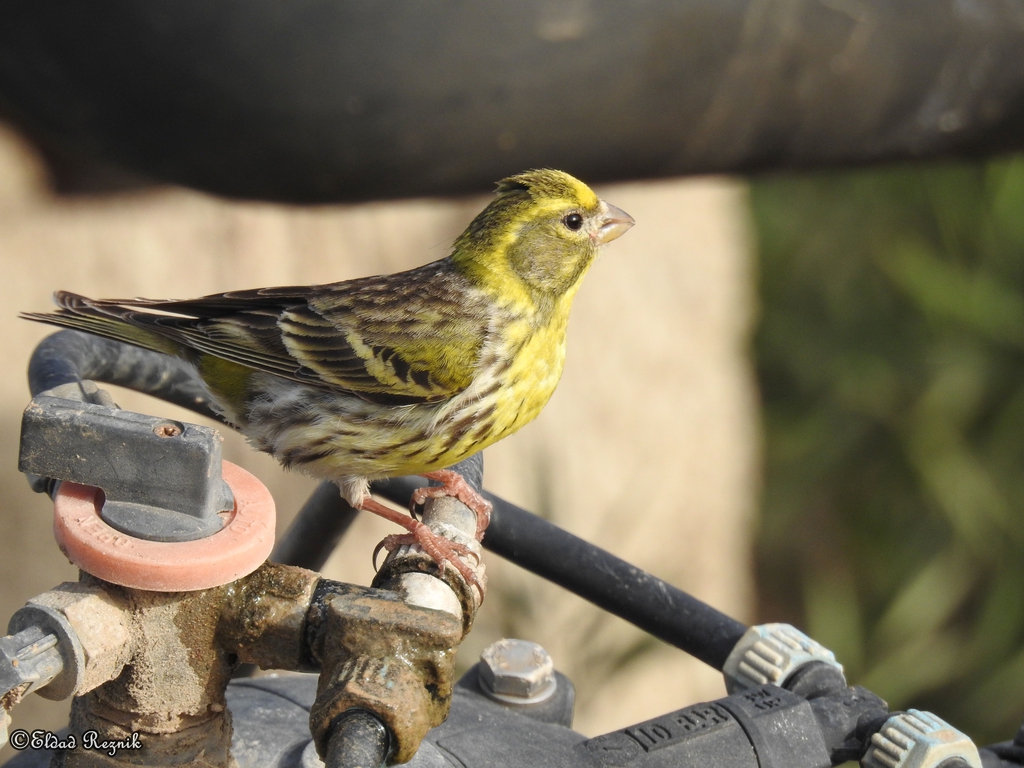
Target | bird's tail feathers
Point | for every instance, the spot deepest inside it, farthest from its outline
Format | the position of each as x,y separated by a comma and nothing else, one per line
108,319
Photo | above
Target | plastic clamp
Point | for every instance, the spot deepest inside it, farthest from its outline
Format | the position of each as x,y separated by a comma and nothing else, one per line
916,739
769,654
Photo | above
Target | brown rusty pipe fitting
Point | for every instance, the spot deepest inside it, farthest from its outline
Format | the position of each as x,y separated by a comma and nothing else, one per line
390,650
151,634
158,664
385,656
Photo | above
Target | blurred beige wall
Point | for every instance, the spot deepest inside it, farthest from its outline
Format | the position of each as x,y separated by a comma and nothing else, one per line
648,448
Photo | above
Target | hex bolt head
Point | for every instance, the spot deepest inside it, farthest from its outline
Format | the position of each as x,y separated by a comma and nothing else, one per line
517,672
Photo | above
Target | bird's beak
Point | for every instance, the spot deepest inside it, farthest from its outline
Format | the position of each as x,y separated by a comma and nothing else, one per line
614,222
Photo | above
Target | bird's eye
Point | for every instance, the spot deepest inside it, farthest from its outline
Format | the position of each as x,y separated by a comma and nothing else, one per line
573,221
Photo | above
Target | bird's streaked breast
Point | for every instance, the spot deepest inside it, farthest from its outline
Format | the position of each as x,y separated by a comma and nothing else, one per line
346,436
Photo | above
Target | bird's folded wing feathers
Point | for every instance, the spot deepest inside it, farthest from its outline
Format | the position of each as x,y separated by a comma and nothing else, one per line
384,339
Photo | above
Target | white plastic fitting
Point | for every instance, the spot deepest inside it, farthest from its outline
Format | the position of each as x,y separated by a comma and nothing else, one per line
915,739
769,654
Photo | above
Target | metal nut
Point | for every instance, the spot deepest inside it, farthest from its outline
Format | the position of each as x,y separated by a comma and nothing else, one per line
517,671
92,629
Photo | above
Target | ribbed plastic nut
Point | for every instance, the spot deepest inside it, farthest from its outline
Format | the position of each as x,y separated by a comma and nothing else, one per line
770,653
915,739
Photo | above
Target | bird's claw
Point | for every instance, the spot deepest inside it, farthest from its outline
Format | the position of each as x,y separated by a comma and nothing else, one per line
442,550
455,486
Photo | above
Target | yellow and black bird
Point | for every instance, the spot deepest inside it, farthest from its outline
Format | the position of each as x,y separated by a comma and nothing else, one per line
396,374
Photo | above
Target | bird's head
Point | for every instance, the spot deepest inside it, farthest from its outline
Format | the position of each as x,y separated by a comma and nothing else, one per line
543,229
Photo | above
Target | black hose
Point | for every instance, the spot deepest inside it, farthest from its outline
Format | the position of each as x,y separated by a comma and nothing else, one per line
70,357
622,589
358,740
316,530
435,97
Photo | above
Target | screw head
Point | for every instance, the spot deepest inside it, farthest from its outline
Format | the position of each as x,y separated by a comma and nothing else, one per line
517,671
168,429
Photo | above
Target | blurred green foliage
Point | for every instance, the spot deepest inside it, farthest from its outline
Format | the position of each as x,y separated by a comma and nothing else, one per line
891,360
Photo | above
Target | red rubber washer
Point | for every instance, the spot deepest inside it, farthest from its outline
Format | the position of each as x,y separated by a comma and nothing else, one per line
236,550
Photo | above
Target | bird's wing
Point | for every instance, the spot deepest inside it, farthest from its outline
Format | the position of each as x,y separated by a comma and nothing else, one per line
403,338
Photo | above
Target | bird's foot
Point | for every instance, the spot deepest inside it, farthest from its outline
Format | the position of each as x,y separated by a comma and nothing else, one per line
441,549
456,486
